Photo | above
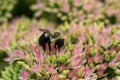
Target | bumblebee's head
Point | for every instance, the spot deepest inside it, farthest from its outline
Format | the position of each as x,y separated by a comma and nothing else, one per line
55,35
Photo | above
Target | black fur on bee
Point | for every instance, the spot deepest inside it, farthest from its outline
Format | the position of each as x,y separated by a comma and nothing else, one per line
48,37
43,40
59,43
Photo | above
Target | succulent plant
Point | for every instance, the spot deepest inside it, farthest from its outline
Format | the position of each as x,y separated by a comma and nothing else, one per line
6,7
79,10
11,72
91,52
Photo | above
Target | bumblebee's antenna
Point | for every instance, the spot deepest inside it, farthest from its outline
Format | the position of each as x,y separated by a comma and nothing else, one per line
44,30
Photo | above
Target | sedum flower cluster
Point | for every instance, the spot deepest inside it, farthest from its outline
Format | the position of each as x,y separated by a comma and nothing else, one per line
91,49
79,10
6,7
91,52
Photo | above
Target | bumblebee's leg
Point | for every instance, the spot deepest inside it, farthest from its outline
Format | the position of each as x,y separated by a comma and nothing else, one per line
55,46
59,43
49,45
44,47
42,43
59,48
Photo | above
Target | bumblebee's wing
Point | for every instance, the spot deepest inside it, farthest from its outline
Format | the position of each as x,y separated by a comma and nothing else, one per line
44,30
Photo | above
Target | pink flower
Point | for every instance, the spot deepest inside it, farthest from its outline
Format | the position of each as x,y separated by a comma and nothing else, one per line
23,41
98,58
73,74
117,57
88,7
76,62
65,7
27,58
104,40
117,37
6,37
93,30
78,48
112,64
54,77
90,60
36,68
82,38
76,2
108,1
37,50
87,73
104,66
3,45
100,72
110,12
62,67
19,53
37,54
24,75
51,70
74,77
106,31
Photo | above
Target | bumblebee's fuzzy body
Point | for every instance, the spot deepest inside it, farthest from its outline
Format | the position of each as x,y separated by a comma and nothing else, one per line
43,40
59,43
47,38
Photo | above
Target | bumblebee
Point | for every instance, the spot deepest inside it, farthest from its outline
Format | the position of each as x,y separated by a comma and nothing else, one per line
49,37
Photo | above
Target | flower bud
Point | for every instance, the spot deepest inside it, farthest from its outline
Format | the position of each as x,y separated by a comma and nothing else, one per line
64,18
91,65
47,75
80,73
65,72
67,55
115,43
90,42
61,59
62,77
68,61
24,65
71,47
117,71
113,54
118,77
39,75
107,57
54,58
49,59
80,79
93,51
